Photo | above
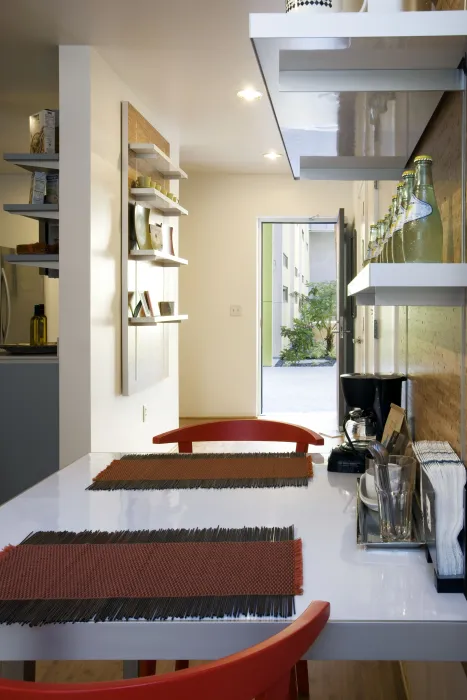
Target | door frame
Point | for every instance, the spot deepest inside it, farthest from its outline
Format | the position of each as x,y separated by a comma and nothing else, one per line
259,287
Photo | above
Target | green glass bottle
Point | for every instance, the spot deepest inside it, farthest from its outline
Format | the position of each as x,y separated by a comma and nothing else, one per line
386,221
408,182
38,326
370,254
422,234
380,240
391,222
395,217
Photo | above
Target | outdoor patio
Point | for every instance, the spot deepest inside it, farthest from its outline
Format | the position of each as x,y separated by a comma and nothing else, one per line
299,389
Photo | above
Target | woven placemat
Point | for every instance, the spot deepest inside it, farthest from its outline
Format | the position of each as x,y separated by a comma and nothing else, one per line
58,577
205,471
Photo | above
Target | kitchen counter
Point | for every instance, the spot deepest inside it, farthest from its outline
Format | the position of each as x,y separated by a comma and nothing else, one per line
384,605
28,359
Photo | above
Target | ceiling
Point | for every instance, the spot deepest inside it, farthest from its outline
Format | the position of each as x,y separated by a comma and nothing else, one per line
185,59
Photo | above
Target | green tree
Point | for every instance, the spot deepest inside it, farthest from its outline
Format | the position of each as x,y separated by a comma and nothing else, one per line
319,309
317,312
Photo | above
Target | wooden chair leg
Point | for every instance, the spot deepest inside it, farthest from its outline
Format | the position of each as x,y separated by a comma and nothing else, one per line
281,691
302,679
146,668
181,665
293,687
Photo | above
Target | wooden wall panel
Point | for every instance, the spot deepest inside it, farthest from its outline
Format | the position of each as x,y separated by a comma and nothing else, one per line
430,338
141,131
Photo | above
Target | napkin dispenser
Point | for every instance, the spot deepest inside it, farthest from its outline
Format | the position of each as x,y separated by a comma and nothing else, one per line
444,583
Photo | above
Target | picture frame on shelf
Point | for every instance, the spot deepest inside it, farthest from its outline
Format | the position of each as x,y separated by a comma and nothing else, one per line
157,239
167,239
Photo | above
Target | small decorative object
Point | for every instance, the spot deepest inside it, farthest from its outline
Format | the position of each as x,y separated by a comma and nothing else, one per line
158,187
144,181
167,308
167,239
156,236
142,227
42,131
164,192
147,298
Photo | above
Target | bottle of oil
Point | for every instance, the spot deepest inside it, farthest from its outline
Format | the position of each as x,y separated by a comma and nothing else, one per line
38,326
369,250
408,181
373,243
422,234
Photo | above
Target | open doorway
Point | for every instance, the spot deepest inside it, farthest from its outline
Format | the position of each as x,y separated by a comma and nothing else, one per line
299,371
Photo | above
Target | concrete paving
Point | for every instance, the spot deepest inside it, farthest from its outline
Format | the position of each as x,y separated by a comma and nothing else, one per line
299,389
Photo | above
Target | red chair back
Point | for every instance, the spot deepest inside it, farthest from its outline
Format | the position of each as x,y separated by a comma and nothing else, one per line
262,672
250,430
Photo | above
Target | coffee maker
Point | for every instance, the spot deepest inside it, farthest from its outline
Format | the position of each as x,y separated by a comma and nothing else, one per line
368,398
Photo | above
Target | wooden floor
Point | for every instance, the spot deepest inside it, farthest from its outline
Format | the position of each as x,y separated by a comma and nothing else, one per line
329,680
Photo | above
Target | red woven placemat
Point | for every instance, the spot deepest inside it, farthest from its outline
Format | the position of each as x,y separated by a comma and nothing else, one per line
78,577
209,471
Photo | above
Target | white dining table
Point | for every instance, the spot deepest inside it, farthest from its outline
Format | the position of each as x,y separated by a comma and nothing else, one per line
384,605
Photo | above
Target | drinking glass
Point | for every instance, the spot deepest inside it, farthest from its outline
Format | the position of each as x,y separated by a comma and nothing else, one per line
395,484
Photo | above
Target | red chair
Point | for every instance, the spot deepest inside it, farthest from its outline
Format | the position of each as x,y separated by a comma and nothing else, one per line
265,672
249,430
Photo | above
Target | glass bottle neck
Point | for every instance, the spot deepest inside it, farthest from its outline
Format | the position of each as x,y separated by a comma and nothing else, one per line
424,175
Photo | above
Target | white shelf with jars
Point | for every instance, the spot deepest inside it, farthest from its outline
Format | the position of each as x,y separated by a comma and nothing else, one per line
410,284
404,263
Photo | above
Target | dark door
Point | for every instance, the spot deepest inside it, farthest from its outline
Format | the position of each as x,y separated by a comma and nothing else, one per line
345,347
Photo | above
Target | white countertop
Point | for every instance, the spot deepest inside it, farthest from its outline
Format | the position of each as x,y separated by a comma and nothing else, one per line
364,587
28,359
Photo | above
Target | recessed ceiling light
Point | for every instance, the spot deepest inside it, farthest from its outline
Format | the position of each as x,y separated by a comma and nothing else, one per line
249,94
272,155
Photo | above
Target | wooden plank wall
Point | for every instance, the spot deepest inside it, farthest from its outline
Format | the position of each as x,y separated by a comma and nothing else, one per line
141,131
430,337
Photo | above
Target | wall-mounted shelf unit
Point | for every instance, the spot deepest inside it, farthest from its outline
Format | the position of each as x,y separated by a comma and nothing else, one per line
156,320
50,262
410,284
157,257
153,198
42,162
352,93
34,211
159,162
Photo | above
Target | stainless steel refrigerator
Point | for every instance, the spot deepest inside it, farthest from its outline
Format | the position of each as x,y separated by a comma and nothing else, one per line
21,287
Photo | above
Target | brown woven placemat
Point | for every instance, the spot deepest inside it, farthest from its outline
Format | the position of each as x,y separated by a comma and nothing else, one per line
57,577
205,471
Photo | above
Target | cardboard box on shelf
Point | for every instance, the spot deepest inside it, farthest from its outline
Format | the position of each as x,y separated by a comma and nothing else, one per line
42,131
38,188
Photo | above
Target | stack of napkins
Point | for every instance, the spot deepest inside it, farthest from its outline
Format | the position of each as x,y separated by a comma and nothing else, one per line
447,475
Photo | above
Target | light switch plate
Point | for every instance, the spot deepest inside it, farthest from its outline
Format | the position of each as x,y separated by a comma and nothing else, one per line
235,310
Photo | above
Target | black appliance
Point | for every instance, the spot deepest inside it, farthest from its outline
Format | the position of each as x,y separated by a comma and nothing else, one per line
368,398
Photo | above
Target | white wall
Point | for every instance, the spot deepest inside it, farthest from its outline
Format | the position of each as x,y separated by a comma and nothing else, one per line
15,230
323,264
90,371
219,357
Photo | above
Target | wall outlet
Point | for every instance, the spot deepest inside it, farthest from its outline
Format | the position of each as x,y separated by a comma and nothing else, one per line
145,414
235,310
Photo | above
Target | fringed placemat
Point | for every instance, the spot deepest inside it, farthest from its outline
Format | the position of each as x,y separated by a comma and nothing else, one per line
58,577
205,471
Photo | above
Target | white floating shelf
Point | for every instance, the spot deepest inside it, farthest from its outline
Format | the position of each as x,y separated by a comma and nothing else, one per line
156,320
154,198
157,257
34,211
325,73
43,162
50,262
410,284
160,161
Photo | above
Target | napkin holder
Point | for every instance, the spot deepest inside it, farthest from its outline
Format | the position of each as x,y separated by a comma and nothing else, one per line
444,584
